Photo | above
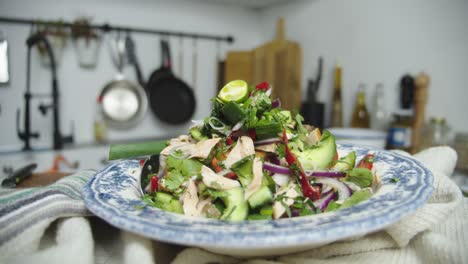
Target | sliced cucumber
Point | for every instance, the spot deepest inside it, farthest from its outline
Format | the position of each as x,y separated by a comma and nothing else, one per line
167,202
259,217
237,208
260,197
320,156
233,112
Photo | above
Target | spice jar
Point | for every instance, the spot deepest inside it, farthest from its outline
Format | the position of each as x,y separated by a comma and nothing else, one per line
436,132
401,131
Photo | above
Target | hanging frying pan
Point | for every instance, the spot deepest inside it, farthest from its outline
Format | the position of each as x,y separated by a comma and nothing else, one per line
123,102
171,99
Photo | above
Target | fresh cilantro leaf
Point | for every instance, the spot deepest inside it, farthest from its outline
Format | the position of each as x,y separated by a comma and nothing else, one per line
357,197
173,162
190,167
394,179
286,207
281,150
173,180
332,206
360,176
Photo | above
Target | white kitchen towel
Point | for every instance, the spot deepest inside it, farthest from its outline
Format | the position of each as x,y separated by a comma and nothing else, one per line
436,233
389,245
25,215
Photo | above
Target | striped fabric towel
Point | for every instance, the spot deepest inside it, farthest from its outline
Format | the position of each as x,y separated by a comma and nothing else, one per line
25,214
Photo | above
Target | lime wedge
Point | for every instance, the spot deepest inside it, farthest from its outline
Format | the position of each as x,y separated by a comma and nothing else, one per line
236,91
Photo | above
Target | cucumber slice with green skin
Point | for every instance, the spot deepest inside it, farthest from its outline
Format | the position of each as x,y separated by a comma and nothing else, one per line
267,210
319,157
260,197
237,208
196,133
361,176
346,163
163,197
259,217
233,112
168,202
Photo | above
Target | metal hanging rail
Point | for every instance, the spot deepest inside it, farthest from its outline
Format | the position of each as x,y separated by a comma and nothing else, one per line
107,27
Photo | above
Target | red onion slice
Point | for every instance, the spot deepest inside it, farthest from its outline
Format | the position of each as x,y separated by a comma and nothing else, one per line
325,173
276,103
323,202
341,188
276,168
267,141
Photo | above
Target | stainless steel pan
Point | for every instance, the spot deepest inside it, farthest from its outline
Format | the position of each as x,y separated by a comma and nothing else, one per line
124,103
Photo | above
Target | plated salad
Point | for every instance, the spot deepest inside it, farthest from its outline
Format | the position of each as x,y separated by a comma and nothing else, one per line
252,160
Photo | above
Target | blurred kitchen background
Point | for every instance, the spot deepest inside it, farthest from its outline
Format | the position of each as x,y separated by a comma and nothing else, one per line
415,52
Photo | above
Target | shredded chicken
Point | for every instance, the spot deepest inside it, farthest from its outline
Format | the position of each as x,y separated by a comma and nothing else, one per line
207,209
267,148
243,148
215,181
203,148
290,193
190,200
256,182
313,137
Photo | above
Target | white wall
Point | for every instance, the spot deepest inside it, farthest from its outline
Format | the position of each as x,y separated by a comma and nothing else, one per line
375,41
379,41
80,87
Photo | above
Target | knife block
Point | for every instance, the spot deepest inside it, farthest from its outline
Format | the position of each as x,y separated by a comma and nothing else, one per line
313,113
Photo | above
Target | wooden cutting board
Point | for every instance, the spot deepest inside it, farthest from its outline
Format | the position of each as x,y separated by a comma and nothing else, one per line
239,65
279,62
41,179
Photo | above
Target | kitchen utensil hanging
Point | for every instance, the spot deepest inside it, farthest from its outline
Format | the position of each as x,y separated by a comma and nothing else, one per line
194,63
57,36
171,99
86,41
130,48
124,103
181,57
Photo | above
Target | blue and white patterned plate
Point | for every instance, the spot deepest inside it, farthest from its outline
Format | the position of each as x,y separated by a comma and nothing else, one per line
114,195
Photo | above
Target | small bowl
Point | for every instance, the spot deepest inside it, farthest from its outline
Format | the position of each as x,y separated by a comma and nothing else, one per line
360,136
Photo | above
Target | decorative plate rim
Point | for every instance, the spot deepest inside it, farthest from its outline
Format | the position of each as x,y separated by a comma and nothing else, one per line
293,232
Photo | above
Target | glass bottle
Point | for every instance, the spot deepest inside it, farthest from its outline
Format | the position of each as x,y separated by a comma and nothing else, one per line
100,125
337,105
378,115
360,114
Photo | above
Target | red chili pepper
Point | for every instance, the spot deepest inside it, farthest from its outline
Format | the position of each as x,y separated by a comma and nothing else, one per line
231,175
215,165
154,184
229,140
307,190
142,162
367,162
263,86
252,134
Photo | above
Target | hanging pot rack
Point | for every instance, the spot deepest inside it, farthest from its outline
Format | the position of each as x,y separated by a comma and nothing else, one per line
108,27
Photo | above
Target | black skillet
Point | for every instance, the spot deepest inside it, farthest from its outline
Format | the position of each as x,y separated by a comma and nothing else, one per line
171,99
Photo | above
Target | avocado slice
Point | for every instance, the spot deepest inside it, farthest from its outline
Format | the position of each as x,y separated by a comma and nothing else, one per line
237,207
320,156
